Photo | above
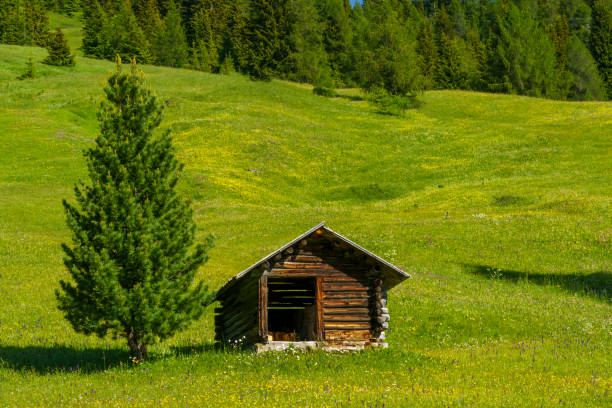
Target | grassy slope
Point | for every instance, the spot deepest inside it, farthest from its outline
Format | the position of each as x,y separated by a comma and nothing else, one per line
498,206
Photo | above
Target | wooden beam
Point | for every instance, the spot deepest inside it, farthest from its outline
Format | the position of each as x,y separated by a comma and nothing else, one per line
319,299
263,308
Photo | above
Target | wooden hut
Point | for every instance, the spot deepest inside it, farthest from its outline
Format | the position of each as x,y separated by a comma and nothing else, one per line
321,289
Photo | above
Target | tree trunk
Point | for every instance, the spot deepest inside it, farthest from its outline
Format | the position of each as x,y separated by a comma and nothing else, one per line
138,351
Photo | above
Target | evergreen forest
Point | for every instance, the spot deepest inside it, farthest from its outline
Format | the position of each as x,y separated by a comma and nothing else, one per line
558,49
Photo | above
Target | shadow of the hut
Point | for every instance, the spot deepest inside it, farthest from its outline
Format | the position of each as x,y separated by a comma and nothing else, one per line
597,284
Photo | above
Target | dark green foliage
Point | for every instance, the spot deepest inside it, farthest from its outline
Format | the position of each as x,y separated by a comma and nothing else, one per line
170,45
322,91
148,17
30,72
451,70
601,41
522,57
390,61
337,37
59,51
267,36
95,27
426,48
12,23
132,258
308,59
586,83
36,22
23,22
125,37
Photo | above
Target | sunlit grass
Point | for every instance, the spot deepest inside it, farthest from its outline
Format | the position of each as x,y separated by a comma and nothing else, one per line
498,206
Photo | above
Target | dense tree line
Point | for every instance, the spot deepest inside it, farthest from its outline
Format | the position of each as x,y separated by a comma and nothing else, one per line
558,49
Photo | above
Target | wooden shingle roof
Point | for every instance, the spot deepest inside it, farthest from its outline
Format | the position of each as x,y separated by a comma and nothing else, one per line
391,274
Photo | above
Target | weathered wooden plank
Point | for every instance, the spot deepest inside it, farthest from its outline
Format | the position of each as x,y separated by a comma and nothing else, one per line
346,325
344,287
319,299
346,310
263,308
347,335
328,303
347,318
346,295
346,278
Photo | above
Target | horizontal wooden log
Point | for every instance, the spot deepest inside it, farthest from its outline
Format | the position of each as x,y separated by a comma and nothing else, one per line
346,295
346,279
329,303
347,325
365,318
347,335
344,287
346,310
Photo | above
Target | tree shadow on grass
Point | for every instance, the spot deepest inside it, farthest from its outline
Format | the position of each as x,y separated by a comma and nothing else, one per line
597,284
52,358
63,358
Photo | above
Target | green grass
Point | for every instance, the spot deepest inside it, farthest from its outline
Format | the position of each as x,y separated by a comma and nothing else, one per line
498,206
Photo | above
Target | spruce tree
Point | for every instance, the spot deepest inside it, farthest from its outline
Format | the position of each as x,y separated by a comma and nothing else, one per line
267,36
426,48
586,83
95,28
132,258
59,51
170,45
36,22
308,59
30,71
390,63
601,41
12,23
150,22
124,36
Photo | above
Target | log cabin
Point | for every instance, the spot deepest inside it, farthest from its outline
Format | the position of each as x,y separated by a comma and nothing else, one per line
319,290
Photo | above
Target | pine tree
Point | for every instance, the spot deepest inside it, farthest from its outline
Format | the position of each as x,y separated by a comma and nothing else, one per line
125,37
59,51
30,72
586,83
451,71
308,59
148,17
601,41
95,28
337,38
267,36
170,45
426,48
36,22
389,63
132,258
12,23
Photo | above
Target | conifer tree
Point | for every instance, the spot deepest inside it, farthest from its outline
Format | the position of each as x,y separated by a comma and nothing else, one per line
337,38
426,48
12,23
390,63
170,45
30,71
601,41
586,83
59,51
147,13
95,27
132,258
125,37
308,59
36,22
267,35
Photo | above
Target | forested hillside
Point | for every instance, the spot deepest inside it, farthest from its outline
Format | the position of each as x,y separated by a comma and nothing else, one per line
551,48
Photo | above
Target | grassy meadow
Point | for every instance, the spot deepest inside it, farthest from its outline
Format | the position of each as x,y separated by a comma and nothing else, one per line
498,206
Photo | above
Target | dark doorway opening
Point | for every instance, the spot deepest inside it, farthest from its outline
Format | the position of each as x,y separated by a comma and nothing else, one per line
292,309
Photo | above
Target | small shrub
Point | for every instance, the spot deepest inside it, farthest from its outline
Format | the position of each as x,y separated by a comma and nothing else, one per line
322,91
393,104
30,72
